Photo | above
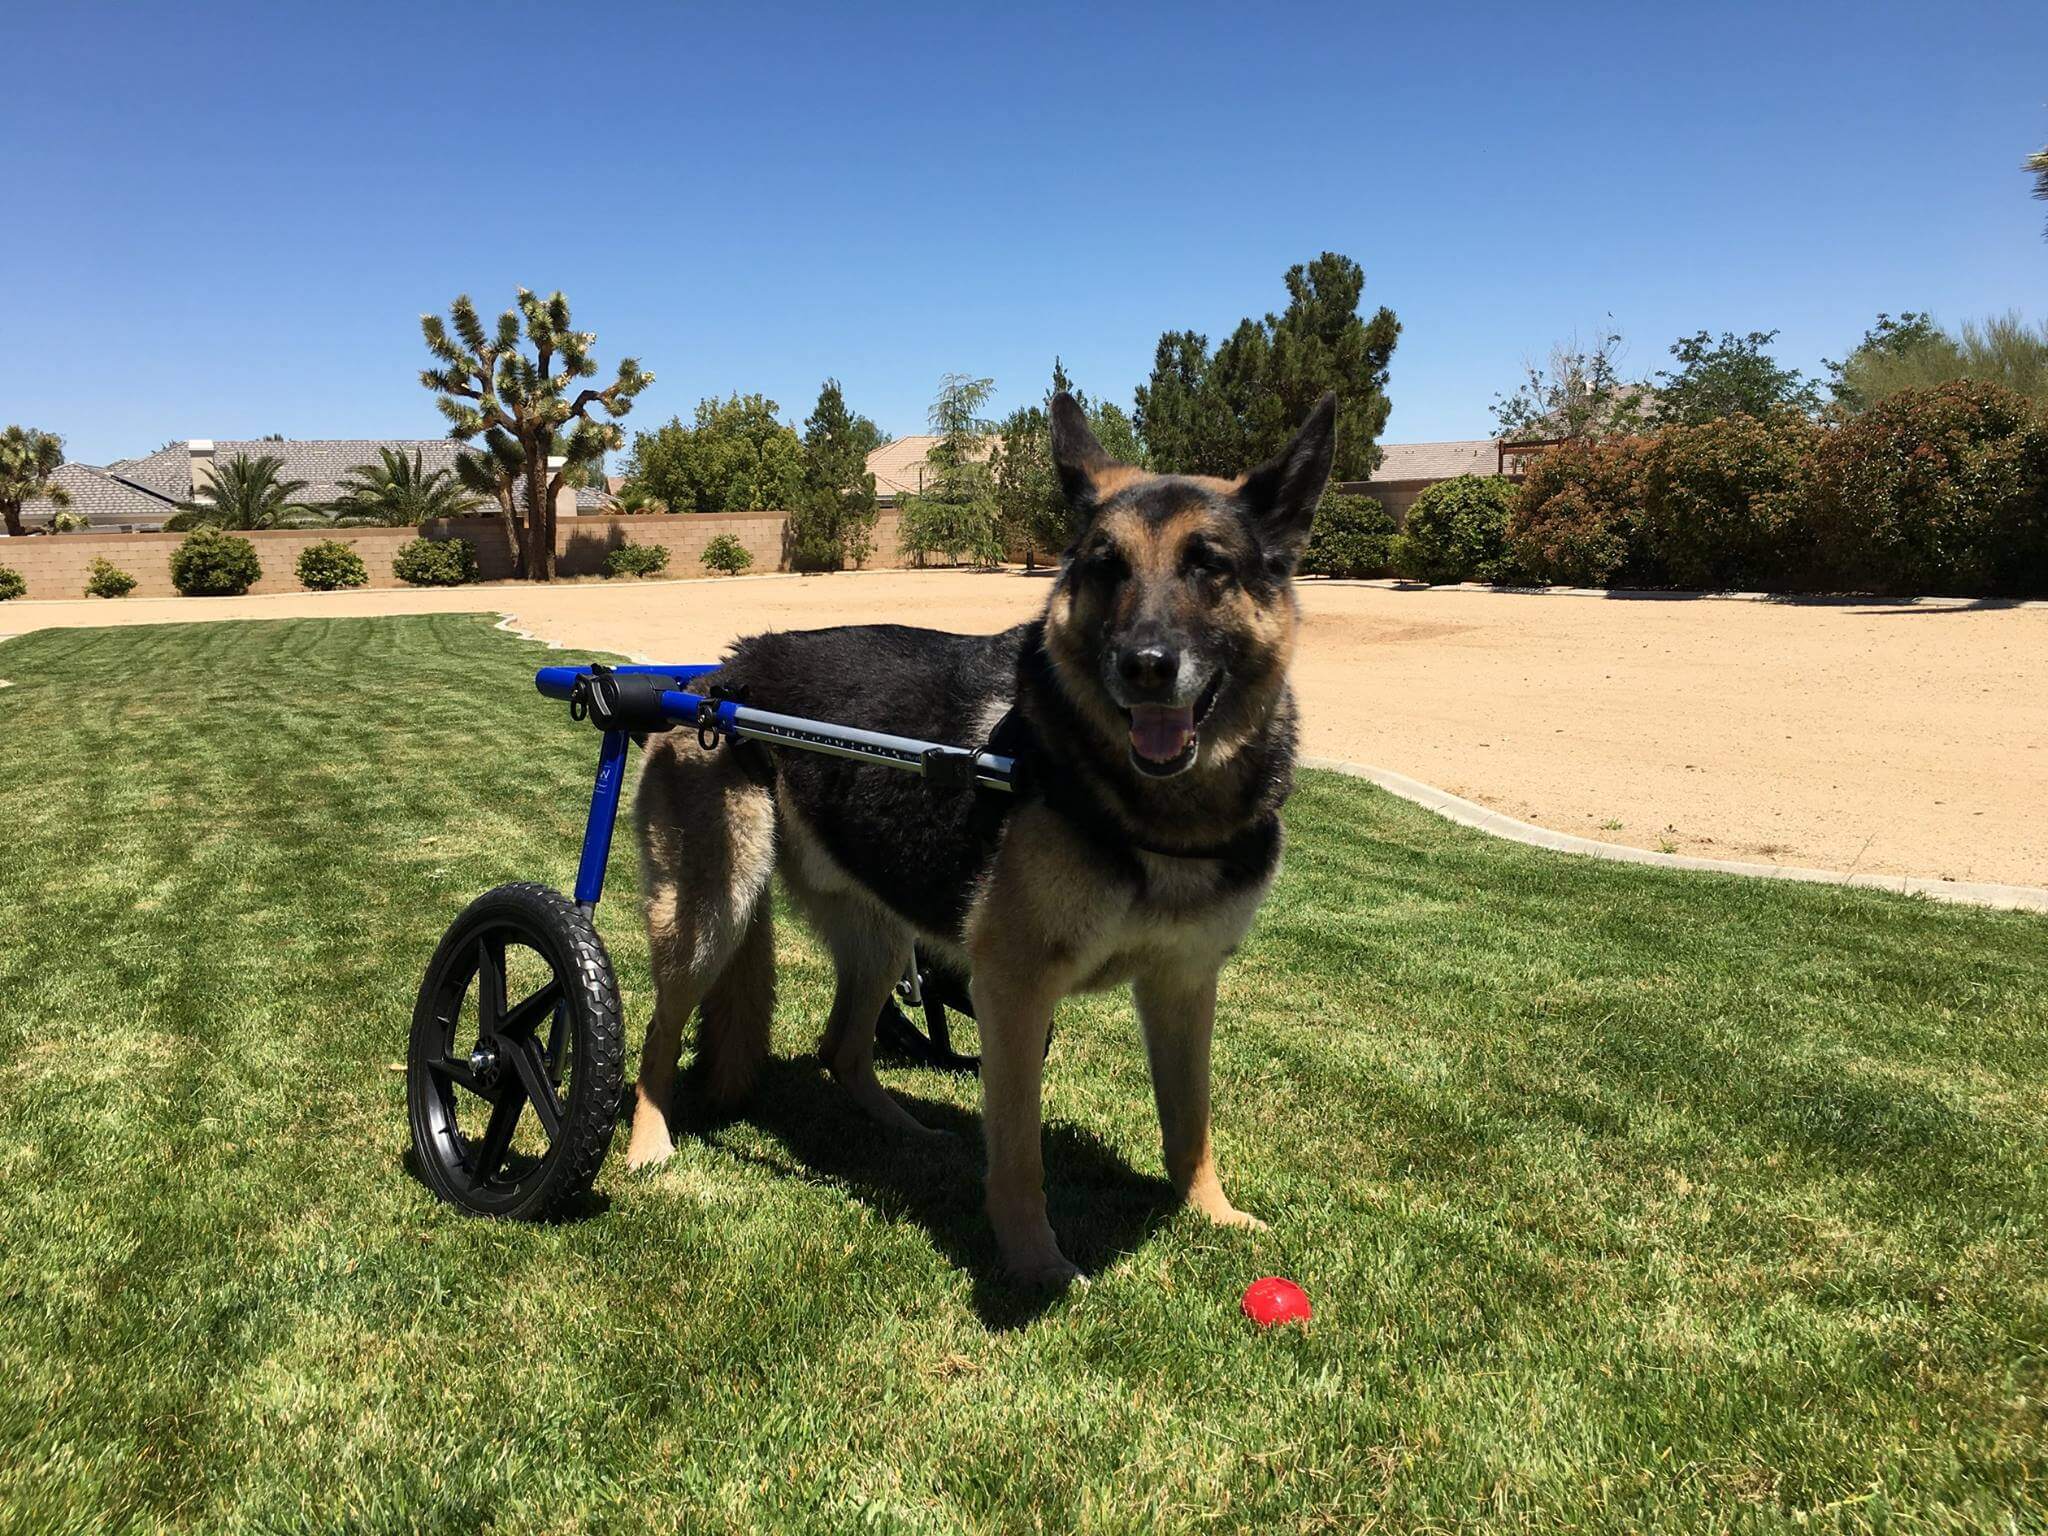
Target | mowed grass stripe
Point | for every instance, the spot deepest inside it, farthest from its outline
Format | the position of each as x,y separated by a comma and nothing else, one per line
1627,1198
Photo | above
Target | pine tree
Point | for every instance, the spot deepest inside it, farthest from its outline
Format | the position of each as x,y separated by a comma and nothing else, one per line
1203,414
956,515
833,522
485,382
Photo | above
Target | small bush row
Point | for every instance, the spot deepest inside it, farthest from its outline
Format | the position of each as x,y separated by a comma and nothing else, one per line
1941,491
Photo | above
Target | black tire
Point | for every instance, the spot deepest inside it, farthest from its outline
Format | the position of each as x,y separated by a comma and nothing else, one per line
568,1028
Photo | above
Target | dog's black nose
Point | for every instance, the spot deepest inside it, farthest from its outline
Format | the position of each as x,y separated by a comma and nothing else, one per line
1149,668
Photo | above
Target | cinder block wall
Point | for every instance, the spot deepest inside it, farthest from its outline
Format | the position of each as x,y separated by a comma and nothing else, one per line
57,565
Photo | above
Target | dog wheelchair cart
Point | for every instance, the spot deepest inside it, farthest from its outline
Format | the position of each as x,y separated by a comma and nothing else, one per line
515,1077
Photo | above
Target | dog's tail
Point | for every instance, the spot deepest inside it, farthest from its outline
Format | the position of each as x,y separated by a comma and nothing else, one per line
732,1032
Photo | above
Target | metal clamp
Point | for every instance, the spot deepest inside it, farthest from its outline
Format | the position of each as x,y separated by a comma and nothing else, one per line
948,767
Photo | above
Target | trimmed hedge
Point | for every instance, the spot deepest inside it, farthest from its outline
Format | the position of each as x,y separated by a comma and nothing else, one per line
435,563
1941,490
1938,491
1721,503
330,566
211,563
1577,514
1458,531
636,560
1351,536
12,584
107,579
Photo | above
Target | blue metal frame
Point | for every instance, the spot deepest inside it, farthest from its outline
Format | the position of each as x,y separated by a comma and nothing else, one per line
740,722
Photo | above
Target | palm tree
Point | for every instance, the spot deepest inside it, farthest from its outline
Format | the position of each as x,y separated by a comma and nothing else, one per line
27,460
400,492
2038,164
247,493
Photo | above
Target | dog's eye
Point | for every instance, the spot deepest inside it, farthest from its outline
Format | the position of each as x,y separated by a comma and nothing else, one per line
1105,562
1207,560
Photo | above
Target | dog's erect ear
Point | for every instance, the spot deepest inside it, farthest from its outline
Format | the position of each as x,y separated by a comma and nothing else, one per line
1281,494
1077,455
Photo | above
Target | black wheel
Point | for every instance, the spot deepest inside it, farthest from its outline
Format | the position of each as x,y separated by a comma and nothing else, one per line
514,1077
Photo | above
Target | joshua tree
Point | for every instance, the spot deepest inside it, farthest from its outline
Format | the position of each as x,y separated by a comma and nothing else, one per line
27,460
246,493
400,492
485,384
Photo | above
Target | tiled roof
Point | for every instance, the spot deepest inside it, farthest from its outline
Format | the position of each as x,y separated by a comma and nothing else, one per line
104,498
168,471
1437,461
322,465
899,468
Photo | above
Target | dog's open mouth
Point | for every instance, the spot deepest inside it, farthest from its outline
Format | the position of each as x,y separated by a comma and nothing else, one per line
1166,737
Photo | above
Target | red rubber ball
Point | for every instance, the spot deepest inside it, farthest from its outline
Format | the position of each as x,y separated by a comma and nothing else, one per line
1273,1301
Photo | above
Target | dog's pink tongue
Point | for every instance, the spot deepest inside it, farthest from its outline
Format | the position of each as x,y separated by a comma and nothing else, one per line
1162,732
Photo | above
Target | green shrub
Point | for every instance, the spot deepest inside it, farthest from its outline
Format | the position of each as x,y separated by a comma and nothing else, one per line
1351,536
1719,505
69,522
636,560
1577,515
11,584
211,563
330,565
108,579
1941,490
435,563
728,555
1458,531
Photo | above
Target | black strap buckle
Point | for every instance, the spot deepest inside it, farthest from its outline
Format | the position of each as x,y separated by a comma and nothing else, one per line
948,767
613,702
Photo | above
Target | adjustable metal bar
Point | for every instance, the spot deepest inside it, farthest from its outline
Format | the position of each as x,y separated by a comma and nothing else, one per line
932,760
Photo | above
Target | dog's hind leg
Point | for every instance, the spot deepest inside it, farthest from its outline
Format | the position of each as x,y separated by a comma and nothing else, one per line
870,953
707,852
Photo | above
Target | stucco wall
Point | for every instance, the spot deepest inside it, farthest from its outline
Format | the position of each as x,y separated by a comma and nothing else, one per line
56,565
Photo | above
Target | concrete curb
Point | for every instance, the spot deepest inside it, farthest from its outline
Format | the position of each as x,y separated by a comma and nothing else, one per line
1468,813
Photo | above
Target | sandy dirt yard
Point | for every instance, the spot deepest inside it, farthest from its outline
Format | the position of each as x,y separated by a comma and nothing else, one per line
1883,737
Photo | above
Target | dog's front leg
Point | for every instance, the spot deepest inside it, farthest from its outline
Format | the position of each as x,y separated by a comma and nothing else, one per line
1178,1013
1014,1013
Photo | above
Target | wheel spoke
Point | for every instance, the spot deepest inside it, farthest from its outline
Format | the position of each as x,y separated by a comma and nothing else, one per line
533,1077
557,1028
497,1137
521,1019
457,1071
490,985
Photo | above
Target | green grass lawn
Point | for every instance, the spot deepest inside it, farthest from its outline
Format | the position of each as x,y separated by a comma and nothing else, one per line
1628,1200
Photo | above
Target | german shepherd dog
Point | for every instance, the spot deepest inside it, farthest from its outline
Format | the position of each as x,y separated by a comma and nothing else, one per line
1154,732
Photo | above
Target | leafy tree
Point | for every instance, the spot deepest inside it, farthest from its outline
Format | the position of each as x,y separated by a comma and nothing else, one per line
736,456
28,459
484,381
1118,434
1912,353
2037,164
957,515
1029,505
1199,414
832,521
400,492
246,493
1732,377
1579,393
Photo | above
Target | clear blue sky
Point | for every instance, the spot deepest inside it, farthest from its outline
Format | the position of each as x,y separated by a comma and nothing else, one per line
225,220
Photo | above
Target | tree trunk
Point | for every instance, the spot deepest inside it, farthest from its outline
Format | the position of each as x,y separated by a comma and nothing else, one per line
11,510
515,536
540,517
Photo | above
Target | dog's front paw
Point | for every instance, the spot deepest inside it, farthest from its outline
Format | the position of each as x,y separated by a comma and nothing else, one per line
1224,1214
